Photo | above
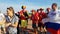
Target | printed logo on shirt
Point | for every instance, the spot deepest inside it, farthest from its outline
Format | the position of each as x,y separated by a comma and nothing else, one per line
53,14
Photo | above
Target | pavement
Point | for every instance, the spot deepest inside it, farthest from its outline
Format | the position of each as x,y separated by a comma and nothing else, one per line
30,29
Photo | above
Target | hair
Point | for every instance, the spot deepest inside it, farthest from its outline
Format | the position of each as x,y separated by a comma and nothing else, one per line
47,8
54,4
11,9
33,10
38,10
23,6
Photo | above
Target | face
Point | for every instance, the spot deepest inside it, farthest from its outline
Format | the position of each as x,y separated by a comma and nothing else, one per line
24,7
48,10
9,12
38,11
33,12
54,7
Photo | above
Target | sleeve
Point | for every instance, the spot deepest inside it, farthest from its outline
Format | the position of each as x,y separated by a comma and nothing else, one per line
45,20
16,19
44,15
37,16
49,15
7,19
21,13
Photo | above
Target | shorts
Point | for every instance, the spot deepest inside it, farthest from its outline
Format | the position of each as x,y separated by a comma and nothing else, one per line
40,24
24,23
34,25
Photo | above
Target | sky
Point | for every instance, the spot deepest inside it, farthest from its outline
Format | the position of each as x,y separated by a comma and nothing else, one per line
30,4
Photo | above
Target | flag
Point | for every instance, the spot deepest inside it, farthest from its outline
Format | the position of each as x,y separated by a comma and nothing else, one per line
53,28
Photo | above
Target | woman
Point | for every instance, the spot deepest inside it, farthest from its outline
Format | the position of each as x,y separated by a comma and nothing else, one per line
11,21
2,23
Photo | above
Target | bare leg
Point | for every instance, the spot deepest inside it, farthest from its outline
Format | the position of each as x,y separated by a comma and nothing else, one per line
0,31
4,30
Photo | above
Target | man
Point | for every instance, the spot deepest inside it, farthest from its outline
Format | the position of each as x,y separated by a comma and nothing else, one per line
11,21
2,23
48,10
54,19
24,18
19,22
42,15
34,19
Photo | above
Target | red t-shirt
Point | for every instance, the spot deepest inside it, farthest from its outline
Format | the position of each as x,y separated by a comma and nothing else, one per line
42,15
22,17
34,18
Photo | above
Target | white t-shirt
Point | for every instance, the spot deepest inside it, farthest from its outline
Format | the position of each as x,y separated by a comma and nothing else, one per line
45,20
54,16
1,17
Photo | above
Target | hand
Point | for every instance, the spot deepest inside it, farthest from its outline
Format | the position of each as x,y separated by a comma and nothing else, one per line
8,24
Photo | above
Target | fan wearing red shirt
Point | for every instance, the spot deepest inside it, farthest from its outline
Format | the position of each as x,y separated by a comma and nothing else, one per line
34,19
47,11
23,17
42,15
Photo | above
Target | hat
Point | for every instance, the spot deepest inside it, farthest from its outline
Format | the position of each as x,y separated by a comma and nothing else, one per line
33,11
41,9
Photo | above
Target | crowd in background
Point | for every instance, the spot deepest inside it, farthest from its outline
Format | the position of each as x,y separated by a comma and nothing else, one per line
12,22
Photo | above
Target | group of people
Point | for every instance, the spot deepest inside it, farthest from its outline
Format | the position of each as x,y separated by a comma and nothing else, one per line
11,22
